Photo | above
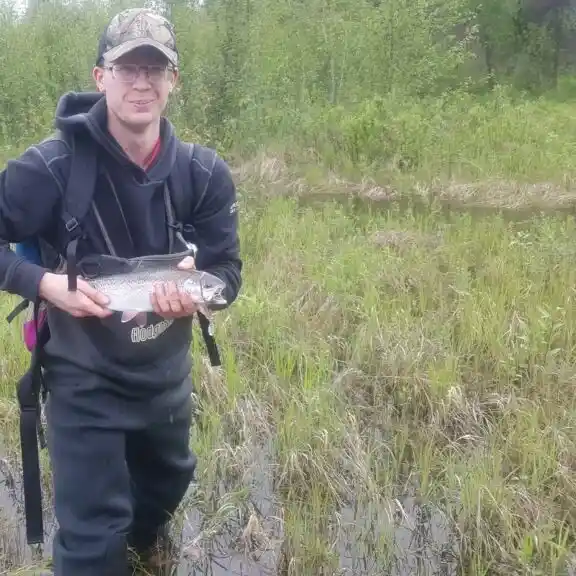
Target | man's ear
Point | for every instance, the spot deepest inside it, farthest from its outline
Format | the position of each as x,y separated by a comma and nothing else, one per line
98,75
175,86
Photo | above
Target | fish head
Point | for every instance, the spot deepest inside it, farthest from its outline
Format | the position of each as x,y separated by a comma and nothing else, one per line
208,289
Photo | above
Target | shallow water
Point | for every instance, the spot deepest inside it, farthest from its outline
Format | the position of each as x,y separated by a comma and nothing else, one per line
224,553
14,551
443,208
422,542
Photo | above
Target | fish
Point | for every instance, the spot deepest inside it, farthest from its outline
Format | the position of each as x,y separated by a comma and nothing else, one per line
129,292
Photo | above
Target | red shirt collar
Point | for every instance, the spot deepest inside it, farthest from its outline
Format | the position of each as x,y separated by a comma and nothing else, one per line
153,154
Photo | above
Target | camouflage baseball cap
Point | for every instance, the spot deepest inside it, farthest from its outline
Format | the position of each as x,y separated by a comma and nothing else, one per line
138,27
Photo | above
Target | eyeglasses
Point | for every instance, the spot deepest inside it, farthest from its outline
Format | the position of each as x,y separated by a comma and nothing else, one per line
128,73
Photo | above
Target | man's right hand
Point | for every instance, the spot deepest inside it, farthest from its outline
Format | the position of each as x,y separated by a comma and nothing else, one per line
86,301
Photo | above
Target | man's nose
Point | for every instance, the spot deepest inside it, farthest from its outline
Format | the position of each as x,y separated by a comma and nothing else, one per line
142,81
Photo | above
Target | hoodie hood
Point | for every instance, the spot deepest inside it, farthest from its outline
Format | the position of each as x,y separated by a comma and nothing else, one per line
86,112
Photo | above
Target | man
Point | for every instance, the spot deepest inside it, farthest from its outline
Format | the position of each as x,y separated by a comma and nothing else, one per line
119,407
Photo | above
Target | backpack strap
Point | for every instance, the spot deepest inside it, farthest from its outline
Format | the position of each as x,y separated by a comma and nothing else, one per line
77,202
187,184
31,389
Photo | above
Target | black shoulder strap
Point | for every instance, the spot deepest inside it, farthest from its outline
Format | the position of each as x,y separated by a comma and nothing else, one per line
181,182
75,205
77,200
30,392
187,187
194,164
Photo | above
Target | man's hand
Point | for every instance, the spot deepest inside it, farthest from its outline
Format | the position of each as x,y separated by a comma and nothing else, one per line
86,301
169,302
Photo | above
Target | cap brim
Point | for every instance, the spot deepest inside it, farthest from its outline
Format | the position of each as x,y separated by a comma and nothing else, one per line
130,45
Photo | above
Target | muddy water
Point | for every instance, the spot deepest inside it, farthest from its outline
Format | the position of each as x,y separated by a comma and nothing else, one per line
14,551
421,540
443,208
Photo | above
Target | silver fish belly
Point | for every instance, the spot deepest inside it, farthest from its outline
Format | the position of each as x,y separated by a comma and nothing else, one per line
132,291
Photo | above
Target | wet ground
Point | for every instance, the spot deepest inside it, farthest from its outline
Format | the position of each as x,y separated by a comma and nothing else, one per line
444,208
246,538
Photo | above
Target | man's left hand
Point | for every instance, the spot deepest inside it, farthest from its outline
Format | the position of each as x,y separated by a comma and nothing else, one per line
169,302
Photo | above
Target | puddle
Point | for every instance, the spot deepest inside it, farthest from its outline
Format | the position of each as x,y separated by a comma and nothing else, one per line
14,551
248,542
444,208
403,539
242,533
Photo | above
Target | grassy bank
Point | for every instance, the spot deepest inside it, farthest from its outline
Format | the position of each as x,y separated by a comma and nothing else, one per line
398,388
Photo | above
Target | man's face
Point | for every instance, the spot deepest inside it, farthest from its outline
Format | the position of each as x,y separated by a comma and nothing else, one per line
137,97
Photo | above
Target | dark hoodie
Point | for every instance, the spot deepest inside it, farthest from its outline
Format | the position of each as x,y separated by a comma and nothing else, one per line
131,206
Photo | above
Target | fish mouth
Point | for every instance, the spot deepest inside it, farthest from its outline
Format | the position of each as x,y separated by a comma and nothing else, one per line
214,299
217,303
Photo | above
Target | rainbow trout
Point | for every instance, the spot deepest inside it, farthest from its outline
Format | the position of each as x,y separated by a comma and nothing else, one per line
129,291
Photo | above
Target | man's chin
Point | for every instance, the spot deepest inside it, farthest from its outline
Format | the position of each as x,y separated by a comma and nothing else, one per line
140,121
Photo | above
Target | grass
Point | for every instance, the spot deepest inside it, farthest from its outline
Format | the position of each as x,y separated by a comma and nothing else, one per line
397,396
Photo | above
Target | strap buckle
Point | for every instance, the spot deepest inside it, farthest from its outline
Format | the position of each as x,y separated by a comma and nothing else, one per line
72,224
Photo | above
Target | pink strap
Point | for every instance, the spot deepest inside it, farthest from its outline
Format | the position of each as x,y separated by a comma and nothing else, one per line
29,330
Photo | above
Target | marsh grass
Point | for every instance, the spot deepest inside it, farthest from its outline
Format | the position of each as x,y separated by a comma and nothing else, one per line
397,395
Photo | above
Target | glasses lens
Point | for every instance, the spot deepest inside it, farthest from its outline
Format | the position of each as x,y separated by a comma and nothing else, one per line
125,72
129,72
156,73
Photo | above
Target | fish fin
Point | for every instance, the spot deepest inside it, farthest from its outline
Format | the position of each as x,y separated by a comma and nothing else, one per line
127,316
139,317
